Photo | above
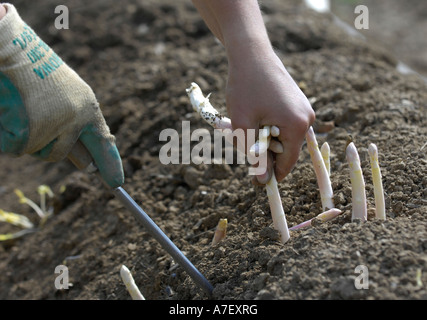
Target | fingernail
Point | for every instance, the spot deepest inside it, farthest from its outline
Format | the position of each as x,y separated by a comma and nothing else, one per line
263,178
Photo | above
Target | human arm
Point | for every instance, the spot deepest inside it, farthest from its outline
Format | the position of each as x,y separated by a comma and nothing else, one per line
45,107
259,90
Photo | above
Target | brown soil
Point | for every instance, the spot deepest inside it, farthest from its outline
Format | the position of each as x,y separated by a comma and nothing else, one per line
139,57
399,26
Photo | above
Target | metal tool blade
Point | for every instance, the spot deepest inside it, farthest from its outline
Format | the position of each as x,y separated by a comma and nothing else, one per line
164,241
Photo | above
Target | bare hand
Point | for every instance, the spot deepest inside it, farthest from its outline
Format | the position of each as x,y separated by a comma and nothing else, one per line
261,92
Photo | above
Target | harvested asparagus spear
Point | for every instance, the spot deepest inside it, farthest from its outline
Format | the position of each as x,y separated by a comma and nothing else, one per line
204,108
323,217
216,120
323,180
378,185
276,208
359,210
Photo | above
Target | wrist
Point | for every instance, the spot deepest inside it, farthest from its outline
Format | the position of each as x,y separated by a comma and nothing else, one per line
248,47
2,11
251,53
245,35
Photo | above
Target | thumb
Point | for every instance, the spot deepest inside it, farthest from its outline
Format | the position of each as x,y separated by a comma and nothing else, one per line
104,152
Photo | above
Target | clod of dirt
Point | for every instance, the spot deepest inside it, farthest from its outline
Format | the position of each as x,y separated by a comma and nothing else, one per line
139,57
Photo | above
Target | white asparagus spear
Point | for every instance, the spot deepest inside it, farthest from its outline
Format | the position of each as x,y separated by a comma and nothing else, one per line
323,217
130,284
276,208
323,180
358,193
326,151
209,114
204,108
220,231
273,194
378,185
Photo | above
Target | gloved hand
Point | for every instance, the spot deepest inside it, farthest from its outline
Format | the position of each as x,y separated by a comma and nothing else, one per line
45,107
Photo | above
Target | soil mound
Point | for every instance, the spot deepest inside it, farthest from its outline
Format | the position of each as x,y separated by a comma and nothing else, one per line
139,57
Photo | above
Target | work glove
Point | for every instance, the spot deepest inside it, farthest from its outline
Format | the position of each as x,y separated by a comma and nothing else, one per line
45,107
